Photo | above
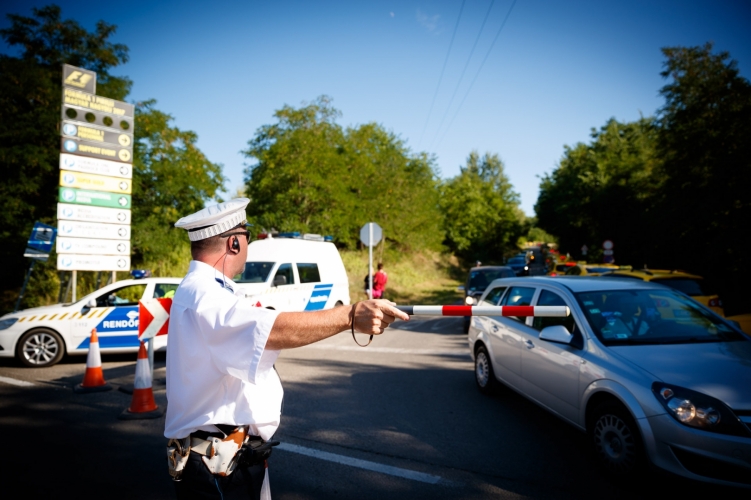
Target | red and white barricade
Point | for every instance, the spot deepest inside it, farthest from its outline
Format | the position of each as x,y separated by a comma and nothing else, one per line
538,311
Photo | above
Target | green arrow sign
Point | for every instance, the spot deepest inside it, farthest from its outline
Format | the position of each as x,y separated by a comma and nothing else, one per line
94,198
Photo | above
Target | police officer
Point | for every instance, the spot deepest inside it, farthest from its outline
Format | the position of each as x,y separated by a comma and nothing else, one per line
224,395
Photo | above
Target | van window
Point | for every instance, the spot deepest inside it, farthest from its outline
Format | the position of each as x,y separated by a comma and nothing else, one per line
284,275
308,273
255,272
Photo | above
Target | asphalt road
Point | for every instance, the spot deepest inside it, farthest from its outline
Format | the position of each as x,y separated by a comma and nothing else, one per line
398,419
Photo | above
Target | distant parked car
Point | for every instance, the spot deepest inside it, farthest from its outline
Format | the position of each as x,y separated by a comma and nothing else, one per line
479,278
650,374
518,264
690,284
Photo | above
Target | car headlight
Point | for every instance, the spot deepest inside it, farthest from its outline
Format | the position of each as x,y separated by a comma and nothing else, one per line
7,323
698,410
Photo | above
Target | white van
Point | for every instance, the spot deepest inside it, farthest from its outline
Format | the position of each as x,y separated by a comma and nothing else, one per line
294,274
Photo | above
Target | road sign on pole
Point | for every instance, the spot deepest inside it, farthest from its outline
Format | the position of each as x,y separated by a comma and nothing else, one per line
96,171
78,262
94,198
95,166
370,234
368,238
85,213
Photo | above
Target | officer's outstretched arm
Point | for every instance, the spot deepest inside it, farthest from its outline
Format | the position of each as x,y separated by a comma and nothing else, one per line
296,329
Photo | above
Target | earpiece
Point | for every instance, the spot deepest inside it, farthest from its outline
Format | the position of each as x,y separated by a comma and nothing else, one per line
235,244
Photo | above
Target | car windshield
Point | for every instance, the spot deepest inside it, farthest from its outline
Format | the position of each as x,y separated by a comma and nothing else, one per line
632,317
689,286
481,278
516,261
255,272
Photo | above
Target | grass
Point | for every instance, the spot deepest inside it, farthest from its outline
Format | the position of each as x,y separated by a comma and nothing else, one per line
421,278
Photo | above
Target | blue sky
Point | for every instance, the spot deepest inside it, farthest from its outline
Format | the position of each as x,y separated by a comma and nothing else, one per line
556,70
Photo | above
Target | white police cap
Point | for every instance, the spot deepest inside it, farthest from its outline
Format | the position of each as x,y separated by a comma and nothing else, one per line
215,219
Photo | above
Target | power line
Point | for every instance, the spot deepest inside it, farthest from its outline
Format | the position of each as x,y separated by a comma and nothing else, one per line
456,89
440,78
479,69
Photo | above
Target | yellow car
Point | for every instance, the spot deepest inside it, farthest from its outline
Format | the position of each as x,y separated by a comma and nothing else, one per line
743,320
590,269
690,284
560,268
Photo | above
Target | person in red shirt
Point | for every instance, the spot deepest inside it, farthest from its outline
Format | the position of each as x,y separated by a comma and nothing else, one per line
379,282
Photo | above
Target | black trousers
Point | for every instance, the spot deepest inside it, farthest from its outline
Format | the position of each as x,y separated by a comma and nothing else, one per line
198,483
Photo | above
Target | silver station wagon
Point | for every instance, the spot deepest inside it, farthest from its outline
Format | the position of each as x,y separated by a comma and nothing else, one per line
651,375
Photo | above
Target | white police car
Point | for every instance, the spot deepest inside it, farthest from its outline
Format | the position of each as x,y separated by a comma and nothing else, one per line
40,336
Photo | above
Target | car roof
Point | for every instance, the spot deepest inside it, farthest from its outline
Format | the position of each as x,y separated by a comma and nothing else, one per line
579,283
650,274
488,268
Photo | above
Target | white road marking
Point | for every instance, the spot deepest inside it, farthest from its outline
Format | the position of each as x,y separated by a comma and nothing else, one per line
361,464
391,350
13,381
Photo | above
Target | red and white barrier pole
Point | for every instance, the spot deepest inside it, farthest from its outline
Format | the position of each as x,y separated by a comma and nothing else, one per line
538,311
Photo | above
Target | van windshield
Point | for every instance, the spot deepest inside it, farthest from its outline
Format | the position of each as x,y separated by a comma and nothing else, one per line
255,272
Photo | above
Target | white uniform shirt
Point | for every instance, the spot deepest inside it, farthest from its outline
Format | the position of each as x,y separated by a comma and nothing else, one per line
218,370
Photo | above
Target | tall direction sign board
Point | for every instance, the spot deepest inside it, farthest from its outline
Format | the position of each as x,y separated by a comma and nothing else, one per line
96,171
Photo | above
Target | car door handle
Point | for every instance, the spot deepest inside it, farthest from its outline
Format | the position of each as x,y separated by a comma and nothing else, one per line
529,344
495,328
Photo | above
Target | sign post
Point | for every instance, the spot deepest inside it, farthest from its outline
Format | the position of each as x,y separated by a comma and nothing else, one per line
96,172
370,234
607,252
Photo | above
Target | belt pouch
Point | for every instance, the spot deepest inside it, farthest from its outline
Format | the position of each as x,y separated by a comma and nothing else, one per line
178,451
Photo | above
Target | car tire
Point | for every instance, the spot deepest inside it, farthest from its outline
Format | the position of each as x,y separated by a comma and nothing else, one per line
40,348
484,375
616,441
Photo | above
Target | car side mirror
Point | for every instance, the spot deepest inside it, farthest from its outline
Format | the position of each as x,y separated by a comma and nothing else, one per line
279,280
556,333
88,307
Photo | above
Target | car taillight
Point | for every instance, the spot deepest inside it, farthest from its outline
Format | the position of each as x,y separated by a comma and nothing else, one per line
554,274
715,303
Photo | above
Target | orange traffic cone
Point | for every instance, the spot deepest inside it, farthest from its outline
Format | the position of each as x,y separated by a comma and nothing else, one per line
93,379
142,405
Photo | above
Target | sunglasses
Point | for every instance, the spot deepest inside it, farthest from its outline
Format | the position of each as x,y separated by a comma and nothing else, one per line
246,233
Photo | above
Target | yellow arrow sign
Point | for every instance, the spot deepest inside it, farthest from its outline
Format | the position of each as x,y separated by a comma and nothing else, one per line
95,182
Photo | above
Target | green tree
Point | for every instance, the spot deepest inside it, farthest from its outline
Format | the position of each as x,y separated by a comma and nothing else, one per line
481,215
704,199
171,175
312,175
603,190
172,178
30,100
